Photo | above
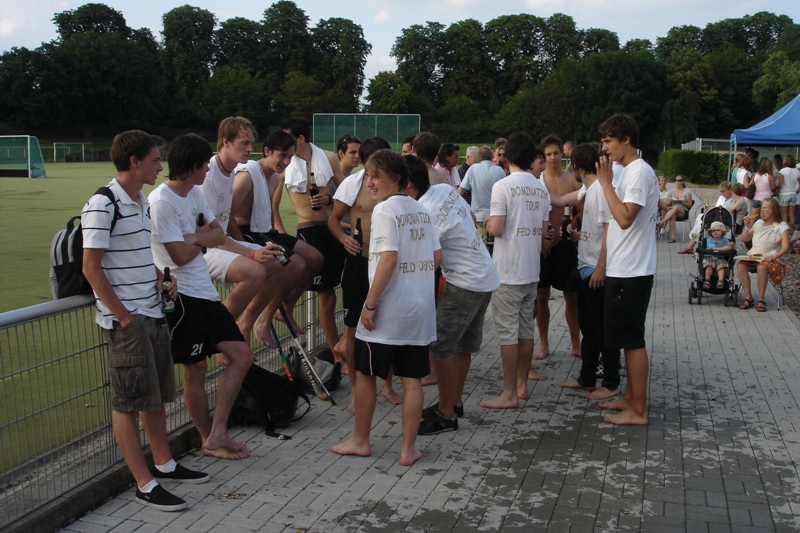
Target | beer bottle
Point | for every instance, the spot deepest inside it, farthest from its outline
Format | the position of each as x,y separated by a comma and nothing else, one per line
201,221
313,190
357,235
167,305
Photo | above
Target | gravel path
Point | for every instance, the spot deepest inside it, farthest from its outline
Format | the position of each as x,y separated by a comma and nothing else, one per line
791,282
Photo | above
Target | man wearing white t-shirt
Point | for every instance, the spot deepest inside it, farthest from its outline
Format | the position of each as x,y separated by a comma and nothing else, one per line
592,269
631,260
258,276
200,326
471,278
517,219
479,180
398,319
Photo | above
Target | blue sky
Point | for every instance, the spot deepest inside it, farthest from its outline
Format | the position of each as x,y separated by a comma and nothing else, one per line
29,23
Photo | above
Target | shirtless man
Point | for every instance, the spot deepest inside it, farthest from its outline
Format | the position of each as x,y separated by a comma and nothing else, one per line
253,268
562,260
347,149
312,217
408,145
426,147
354,199
251,208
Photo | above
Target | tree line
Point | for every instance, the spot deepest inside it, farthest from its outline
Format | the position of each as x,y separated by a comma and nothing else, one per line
468,80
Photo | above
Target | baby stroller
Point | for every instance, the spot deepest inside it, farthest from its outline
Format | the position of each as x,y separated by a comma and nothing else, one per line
729,288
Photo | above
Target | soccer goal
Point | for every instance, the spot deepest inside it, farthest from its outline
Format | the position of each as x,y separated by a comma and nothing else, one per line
391,127
21,157
72,152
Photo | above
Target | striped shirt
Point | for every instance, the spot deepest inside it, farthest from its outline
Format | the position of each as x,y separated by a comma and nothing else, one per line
127,261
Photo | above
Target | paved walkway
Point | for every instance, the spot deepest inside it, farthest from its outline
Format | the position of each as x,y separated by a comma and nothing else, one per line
720,453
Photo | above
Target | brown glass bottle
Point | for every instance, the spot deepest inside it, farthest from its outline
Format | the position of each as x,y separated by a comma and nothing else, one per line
313,190
357,234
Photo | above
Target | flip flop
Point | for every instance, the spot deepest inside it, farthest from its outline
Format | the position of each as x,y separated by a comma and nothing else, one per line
762,306
747,304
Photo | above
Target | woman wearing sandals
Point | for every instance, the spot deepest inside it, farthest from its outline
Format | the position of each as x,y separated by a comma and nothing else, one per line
679,207
770,237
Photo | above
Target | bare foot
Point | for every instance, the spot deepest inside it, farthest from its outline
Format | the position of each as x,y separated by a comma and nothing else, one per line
627,418
602,394
576,354
619,405
349,447
390,394
224,441
573,384
430,379
297,329
351,408
500,403
534,375
541,353
263,334
224,453
410,459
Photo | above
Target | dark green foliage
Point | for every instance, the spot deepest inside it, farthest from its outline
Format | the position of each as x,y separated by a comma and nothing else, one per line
705,168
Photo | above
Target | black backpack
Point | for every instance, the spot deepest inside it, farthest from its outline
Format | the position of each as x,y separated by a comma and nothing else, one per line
269,400
66,255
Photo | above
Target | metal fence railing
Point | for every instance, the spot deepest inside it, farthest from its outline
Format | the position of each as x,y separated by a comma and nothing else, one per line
55,420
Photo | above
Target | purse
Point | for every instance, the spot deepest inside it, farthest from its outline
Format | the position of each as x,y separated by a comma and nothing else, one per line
776,270
751,192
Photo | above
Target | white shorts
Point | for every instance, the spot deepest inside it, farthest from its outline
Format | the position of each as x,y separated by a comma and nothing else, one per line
219,261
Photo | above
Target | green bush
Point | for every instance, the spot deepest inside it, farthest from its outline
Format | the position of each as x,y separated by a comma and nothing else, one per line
698,167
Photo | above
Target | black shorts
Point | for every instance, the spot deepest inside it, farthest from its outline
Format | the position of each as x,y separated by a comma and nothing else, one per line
625,311
375,359
196,326
355,286
282,239
558,265
321,238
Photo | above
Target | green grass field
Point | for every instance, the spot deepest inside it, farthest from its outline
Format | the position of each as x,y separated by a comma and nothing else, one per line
34,209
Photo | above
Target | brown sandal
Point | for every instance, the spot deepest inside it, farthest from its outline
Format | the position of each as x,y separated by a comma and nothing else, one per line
747,304
762,306
685,251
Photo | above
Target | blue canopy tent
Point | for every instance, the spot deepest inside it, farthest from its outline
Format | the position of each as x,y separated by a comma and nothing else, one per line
782,128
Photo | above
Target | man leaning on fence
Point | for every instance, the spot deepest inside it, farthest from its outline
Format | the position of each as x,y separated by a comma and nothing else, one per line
119,265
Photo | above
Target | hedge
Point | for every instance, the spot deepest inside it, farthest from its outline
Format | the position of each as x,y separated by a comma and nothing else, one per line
698,167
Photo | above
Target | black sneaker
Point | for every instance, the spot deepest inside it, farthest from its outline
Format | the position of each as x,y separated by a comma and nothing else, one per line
429,412
438,423
181,474
159,498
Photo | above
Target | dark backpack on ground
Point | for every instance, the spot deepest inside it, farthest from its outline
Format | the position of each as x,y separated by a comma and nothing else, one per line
66,255
268,399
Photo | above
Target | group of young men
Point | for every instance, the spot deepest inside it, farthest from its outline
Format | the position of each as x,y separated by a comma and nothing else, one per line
217,219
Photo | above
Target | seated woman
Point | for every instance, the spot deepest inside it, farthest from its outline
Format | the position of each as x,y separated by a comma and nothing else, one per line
680,203
663,200
770,238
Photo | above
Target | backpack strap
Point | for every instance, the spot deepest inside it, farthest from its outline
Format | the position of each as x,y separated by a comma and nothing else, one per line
108,193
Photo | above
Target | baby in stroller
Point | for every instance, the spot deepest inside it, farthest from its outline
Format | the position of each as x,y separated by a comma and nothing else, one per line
714,254
711,263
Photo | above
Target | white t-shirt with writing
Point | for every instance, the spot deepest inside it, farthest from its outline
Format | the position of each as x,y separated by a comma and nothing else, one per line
632,252
525,203
173,216
406,312
218,192
465,261
790,178
595,215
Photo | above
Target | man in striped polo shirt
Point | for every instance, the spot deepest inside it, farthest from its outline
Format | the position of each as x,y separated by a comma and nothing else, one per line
119,265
